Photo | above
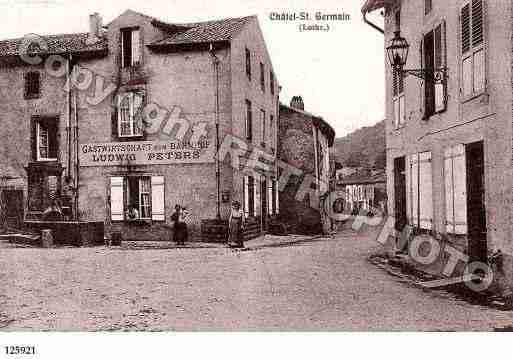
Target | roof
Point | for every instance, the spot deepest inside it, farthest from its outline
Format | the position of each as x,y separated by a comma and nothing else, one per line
205,32
57,44
359,178
371,5
325,127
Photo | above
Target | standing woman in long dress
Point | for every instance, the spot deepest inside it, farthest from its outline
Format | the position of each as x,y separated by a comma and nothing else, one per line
236,225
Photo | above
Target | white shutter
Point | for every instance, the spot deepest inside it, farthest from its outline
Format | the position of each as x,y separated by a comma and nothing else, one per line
440,59
270,197
460,189
409,216
426,191
245,185
116,199
277,198
449,193
157,199
396,112
136,47
256,196
415,189
479,71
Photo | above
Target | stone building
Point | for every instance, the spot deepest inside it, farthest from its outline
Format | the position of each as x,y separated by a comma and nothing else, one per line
305,141
362,191
136,130
449,142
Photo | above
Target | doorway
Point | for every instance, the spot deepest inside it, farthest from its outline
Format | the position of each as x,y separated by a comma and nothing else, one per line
476,213
12,208
400,193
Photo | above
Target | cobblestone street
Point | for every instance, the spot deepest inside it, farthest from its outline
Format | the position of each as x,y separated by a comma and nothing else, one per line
317,284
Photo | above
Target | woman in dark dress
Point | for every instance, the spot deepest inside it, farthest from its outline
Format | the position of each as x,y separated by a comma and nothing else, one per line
236,224
180,227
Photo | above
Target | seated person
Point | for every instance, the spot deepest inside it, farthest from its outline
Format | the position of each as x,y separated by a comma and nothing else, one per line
132,214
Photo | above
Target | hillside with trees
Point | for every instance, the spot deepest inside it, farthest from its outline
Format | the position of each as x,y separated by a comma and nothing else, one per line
364,147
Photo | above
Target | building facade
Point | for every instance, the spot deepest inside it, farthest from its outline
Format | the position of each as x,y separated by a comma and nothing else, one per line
305,141
449,143
137,129
362,191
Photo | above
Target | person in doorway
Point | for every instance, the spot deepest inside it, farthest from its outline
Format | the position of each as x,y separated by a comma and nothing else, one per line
236,226
179,218
133,213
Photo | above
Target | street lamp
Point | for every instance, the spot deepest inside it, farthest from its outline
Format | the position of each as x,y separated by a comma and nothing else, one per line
397,53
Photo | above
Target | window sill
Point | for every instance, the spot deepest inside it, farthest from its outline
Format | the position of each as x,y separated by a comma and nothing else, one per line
32,97
469,98
131,136
46,160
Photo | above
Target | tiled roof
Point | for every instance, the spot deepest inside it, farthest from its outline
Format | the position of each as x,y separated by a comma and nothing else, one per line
204,32
57,44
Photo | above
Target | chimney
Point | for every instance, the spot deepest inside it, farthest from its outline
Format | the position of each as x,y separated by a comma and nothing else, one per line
297,103
95,27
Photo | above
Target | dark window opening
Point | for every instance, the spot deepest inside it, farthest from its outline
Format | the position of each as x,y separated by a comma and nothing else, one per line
32,85
45,144
251,196
429,63
248,64
249,121
262,76
428,5
272,82
130,47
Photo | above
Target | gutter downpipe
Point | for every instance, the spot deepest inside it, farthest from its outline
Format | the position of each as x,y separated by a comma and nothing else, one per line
215,63
374,26
77,165
68,125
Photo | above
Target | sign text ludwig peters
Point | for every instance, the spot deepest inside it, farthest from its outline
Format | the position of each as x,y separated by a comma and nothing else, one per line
145,153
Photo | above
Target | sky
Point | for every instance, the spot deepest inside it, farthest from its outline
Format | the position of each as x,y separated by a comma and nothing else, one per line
339,73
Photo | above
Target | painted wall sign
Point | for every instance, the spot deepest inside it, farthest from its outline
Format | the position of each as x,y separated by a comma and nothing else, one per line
145,153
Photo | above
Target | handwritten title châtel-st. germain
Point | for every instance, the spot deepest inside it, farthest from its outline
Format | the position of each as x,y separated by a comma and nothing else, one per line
307,16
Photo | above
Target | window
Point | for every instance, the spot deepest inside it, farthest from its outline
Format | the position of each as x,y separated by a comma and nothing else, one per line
130,122
272,197
428,5
397,19
130,47
398,99
419,190
45,144
249,121
32,85
135,198
455,178
271,81
249,196
271,132
435,93
262,76
472,48
248,64
262,118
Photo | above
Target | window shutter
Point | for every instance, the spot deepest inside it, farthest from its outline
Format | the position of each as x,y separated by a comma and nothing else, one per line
245,185
409,214
415,190
422,91
440,62
136,46
277,197
465,28
477,23
158,198
396,112
270,196
116,199
449,194
256,197
402,112
426,190
460,189
455,173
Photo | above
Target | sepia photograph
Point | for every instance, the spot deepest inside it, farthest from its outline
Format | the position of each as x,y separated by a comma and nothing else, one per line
240,166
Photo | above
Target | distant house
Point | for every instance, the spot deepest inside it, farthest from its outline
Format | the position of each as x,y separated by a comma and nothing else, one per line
365,190
304,143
